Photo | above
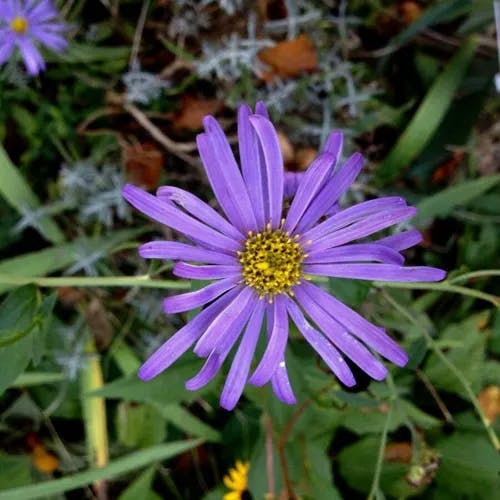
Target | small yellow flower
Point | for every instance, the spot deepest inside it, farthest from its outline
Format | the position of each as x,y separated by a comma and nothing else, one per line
237,481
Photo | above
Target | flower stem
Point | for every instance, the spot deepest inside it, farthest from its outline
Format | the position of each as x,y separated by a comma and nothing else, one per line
440,354
442,287
143,281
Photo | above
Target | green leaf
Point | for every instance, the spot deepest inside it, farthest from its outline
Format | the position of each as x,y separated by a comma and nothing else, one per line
469,466
140,488
467,340
352,292
139,425
187,422
116,468
16,471
357,465
131,388
19,195
428,116
59,257
441,12
444,202
86,53
17,313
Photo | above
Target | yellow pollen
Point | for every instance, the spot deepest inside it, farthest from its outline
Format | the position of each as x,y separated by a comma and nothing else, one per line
19,25
272,262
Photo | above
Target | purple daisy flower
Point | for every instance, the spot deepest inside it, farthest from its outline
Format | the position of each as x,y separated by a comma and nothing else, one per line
24,22
261,261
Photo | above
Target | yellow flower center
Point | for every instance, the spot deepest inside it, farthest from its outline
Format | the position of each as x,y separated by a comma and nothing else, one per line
19,25
272,262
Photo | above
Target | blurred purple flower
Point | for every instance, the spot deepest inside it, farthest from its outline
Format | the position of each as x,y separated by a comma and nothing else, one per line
261,261
25,22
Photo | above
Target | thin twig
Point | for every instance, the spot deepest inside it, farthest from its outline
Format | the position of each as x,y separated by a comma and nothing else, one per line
281,448
380,456
268,425
138,33
179,149
437,398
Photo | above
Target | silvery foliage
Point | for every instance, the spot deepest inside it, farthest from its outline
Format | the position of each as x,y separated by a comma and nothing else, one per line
71,356
94,192
228,60
229,6
188,20
141,86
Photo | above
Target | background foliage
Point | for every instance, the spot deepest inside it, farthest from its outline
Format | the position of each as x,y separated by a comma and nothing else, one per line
411,85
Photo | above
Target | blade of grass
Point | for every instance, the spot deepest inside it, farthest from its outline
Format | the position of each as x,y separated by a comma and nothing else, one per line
445,201
24,268
94,415
143,281
19,195
428,116
116,468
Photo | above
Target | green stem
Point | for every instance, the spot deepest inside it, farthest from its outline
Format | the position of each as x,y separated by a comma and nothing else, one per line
440,354
374,490
442,287
483,273
143,281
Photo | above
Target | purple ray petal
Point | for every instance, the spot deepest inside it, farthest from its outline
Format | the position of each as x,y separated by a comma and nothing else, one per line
7,46
402,241
322,346
380,272
360,229
183,339
354,214
222,326
31,56
172,250
373,336
221,163
276,345
261,109
217,357
281,385
183,270
192,300
54,41
251,164
333,145
170,216
309,186
199,210
357,252
346,343
291,183
206,374
43,11
331,192
274,166
238,373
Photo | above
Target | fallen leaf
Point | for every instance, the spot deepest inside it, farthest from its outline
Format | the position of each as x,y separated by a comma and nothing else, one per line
98,321
398,452
143,163
289,58
43,460
489,401
192,110
286,148
410,11
304,157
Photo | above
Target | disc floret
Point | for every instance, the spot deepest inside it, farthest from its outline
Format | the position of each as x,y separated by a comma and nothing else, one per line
271,262
19,25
